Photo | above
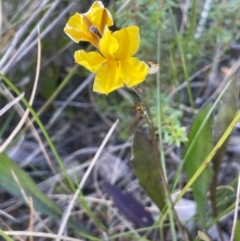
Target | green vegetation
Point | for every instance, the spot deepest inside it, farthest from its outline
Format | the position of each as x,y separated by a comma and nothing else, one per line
60,141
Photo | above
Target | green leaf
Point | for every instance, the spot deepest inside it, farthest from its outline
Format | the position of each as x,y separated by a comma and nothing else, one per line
197,150
9,169
146,169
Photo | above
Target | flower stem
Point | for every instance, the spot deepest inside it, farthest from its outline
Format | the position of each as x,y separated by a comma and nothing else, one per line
146,113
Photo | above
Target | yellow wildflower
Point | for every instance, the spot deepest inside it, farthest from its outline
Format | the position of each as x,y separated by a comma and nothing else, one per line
115,65
87,26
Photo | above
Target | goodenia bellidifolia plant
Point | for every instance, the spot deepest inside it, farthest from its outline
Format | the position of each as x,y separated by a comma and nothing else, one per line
115,67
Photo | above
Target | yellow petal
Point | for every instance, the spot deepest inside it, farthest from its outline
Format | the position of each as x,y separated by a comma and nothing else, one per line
108,78
133,71
99,16
108,45
91,61
129,41
76,27
105,21
78,30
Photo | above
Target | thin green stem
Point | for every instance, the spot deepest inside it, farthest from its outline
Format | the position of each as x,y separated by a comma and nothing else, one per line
159,110
159,125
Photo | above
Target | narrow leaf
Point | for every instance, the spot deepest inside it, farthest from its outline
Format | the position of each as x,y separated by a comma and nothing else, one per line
146,169
200,148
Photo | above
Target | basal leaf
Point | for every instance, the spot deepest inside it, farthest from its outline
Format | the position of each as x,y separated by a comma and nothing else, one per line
146,169
198,149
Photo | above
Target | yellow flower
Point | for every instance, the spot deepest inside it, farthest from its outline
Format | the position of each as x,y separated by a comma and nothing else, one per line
86,26
115,66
